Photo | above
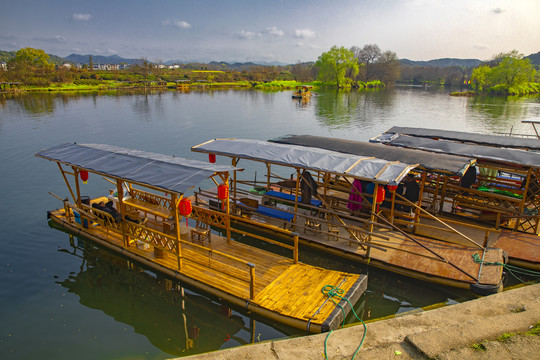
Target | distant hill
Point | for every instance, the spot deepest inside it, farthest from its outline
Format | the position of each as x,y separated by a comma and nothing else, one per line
100,59
535,58
446,62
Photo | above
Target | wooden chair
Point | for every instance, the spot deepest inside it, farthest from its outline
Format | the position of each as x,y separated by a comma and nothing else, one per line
312,225
333,229
200,232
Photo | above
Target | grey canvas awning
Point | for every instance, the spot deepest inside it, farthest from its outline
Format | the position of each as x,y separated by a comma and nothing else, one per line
310,158
481,139
509,156
165,172
435,162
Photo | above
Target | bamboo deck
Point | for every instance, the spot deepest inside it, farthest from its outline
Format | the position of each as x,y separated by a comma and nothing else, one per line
283,291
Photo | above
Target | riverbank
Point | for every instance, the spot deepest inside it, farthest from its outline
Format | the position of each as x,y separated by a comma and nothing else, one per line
500,326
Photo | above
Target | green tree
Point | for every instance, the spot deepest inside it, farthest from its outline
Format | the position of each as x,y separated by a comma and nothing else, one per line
334,63
30,66
480,77
513,69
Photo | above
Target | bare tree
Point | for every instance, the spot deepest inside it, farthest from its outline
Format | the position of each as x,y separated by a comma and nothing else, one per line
367,56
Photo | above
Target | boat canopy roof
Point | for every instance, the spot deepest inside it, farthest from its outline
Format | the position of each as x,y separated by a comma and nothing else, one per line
170,173
507,156
456,165
480,139
310,158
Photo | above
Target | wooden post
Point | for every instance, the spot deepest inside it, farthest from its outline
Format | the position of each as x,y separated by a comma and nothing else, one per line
268,174
120,196
175,200
297,189
420,194
295,251
252,281
66,181
443,194
372,218
77,187
228,211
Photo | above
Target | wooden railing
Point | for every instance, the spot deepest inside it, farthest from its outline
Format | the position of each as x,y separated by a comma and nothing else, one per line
169,244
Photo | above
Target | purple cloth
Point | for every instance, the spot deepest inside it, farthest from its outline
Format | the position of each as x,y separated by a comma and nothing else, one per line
354,197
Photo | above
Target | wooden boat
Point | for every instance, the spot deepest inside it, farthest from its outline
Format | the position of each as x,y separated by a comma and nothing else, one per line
302,92
503,193
177,321
146,226
343,220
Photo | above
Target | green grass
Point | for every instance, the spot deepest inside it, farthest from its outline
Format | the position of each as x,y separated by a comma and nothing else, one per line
479,347
535,329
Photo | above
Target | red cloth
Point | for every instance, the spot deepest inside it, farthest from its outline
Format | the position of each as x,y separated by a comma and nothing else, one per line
354,197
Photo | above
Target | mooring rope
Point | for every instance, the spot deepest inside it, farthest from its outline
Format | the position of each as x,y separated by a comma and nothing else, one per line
336,292
512,270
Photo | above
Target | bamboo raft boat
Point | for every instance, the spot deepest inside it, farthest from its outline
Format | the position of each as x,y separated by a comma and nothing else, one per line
378,233
146,226
503,193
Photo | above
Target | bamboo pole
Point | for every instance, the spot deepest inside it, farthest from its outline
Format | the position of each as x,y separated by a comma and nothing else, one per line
426,248
66,181
442,222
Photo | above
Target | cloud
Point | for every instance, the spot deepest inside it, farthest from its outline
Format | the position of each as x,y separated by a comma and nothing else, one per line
498,11
56,39
304,33
81,17
480,46
247,35
274,31
181,24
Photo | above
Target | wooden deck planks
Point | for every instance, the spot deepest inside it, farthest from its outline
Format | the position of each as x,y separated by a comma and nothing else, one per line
297,292
520,245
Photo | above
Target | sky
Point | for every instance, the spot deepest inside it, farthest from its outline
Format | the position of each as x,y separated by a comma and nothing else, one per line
270,30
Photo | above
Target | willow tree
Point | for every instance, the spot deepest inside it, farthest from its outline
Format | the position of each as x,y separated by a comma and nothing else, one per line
334,64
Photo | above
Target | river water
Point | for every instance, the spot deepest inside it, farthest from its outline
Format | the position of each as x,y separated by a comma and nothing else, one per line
64,298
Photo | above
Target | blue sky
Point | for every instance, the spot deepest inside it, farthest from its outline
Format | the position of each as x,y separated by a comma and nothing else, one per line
285,31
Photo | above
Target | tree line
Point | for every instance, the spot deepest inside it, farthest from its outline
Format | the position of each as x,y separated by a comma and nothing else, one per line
356,67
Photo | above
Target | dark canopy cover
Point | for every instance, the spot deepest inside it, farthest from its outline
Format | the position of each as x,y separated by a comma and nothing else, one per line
435,162
510,156
169,173
481,139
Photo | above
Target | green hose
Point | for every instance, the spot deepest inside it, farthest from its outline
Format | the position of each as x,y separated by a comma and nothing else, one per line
335,292
513,270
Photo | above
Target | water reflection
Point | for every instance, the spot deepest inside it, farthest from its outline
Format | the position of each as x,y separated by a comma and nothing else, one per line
173,318
339,109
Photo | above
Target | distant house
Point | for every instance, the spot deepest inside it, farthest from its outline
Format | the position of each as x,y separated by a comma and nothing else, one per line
67,66
3,65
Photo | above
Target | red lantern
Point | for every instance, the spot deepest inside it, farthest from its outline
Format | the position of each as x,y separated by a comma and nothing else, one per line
84,176
223,192
212,158
380,194
185,207
392,188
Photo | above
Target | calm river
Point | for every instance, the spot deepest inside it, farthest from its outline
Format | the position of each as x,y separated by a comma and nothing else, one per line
63,298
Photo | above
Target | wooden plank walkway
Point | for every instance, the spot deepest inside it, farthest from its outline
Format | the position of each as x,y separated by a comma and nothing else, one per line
523,248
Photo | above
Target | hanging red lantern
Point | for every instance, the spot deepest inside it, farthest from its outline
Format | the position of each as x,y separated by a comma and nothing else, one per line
223,192
212,158
392,188
380,194
185,207
84,176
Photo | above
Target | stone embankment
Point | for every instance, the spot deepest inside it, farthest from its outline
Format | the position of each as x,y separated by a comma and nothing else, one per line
492,327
